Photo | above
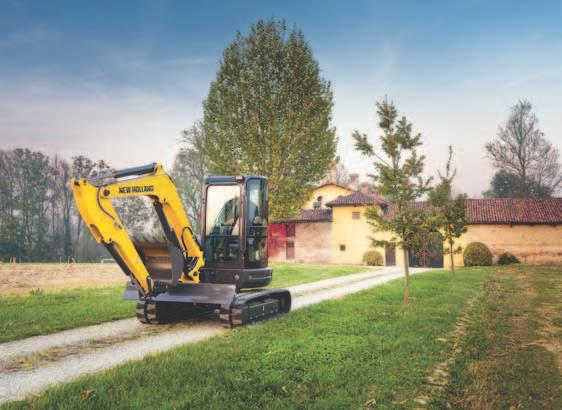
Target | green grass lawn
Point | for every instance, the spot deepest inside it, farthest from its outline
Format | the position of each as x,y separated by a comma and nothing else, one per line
367,350
47,312
290,274
510,354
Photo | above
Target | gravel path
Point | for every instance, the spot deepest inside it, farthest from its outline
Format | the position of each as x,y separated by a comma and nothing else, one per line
31,365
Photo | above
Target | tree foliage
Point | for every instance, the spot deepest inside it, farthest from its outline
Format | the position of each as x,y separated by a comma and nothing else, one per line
398,176
38,217
450,212
24,220
509,185
189,171
521,150
268,112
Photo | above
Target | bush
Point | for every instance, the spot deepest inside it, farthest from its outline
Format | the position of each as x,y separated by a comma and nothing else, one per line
507,258
373,258
477,254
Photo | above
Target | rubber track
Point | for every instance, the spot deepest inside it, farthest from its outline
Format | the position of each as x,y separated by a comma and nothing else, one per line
146,313
232,316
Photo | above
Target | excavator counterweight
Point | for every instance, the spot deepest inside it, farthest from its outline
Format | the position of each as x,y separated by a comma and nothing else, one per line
179,277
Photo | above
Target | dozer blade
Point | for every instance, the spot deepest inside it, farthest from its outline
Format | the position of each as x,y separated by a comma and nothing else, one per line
201,293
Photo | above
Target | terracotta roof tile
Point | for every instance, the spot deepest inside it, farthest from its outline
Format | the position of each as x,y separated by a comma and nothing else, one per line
514,211
357,199
507,210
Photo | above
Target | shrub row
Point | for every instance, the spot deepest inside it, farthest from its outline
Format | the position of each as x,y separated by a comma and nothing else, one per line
475,254
478,254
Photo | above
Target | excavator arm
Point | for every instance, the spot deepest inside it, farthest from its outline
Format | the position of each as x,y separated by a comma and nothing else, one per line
93,199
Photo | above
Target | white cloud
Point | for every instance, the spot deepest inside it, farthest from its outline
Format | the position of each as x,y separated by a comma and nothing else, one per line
123,127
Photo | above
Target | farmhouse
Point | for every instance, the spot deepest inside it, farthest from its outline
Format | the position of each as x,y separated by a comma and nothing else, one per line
332,228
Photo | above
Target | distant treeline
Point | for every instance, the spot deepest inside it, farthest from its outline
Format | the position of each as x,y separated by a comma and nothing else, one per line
38,217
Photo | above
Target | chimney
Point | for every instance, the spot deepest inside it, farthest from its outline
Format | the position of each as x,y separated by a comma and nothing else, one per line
365,188
354,181
333,172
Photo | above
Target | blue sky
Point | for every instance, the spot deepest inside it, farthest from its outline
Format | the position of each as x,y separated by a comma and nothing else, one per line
119,80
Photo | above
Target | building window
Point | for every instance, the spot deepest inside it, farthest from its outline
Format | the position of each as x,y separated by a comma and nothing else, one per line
356,215
318,203
342,248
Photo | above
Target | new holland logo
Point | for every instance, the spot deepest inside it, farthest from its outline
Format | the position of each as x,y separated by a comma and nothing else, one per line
136,189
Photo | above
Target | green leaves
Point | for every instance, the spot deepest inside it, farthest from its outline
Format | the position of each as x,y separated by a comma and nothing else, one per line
269,110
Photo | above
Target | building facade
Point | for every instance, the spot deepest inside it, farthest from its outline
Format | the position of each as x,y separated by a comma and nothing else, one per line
333,229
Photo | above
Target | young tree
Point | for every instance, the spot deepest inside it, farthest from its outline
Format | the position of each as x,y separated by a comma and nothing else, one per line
189,171
398,175
269,110
450,216
521,149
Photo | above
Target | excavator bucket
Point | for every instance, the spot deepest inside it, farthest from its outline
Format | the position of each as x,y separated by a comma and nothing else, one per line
159,259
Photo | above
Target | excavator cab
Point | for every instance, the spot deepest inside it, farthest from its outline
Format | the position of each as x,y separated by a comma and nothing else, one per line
234,231
227,269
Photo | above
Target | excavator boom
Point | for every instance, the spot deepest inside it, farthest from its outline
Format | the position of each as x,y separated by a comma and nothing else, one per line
93,198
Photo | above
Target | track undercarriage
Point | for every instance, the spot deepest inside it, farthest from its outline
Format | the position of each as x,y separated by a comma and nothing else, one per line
245,308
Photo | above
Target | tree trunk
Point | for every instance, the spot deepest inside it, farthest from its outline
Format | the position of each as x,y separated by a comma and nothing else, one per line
452,259
406,277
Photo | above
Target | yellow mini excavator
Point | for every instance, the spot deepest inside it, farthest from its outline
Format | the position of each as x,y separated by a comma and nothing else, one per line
177,277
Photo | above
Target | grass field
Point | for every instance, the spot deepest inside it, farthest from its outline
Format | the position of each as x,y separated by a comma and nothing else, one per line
39,313
290,274
512,355
367,350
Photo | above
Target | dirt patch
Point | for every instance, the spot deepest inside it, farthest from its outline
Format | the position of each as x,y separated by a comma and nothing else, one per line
21,278
439,378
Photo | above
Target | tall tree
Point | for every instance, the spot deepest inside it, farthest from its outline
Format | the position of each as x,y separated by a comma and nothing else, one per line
11,241
450,217
189,171
137,215
31,184
521,149
66,206
269,110
398,176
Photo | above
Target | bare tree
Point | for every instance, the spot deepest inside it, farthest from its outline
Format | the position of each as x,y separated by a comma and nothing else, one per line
81,167
521,149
